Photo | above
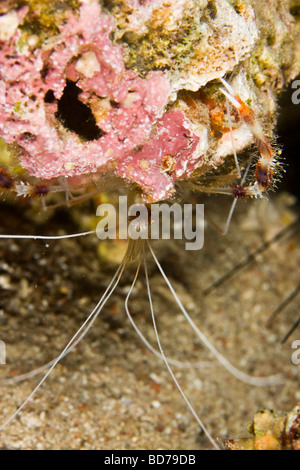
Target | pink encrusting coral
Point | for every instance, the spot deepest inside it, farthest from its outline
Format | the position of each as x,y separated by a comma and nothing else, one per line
170,154
81,69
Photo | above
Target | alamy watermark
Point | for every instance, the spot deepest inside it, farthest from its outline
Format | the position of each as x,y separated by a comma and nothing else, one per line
296,354
152,221
2,353
296,93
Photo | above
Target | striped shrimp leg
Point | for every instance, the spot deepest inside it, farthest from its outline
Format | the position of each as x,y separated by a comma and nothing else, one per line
264,171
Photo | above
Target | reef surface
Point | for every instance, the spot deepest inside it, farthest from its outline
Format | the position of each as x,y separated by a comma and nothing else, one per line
130,87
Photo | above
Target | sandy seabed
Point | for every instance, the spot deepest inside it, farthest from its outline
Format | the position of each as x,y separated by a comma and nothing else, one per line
111,392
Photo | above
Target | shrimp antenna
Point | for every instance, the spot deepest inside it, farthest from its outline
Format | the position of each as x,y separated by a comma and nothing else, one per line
183,364
43,368
45,237
284,304
232,139
83,330
291,330
288,231
229,93
232,208
243,377
199,421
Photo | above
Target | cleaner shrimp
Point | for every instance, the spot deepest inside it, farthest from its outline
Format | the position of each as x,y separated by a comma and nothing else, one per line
122,401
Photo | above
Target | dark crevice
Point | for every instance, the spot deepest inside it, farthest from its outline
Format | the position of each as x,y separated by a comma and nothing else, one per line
28,136
49,97
212,9
75,115
114,104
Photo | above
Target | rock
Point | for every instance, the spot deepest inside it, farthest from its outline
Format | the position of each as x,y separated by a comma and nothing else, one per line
130,88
